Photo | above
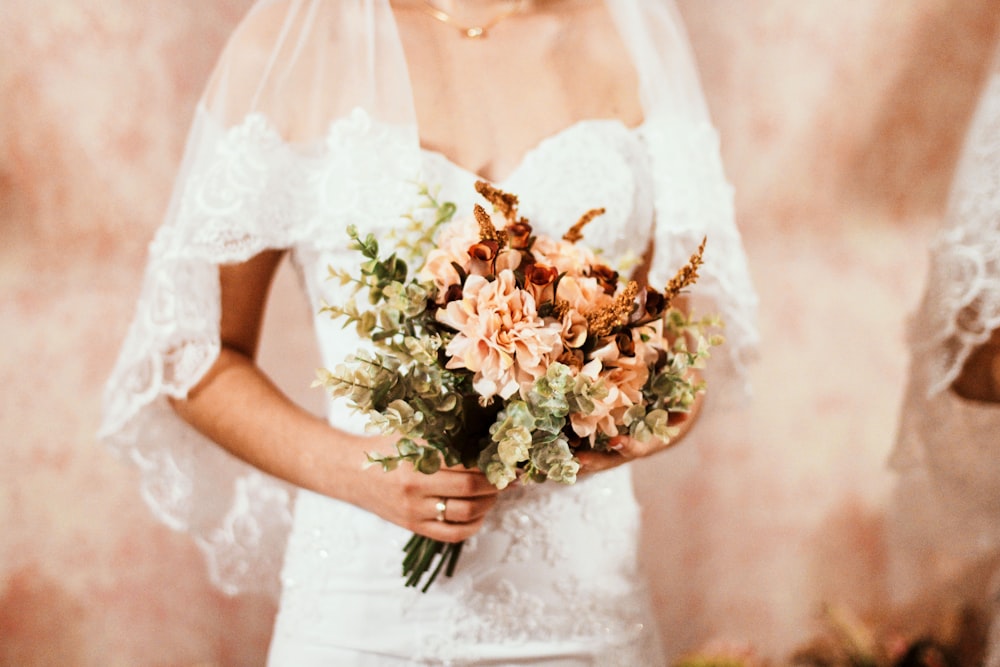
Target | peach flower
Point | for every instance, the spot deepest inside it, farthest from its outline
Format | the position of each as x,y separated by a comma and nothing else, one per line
452,246
569,258
581,293
623,377
500,337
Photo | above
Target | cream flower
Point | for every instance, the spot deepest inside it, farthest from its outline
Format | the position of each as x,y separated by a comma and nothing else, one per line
452,246
582,294
569,258
624,377
500,337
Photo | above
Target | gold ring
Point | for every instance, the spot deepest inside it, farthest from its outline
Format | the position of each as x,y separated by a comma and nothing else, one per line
441,506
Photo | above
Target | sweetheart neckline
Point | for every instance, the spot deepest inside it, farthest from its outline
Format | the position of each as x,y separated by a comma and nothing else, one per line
533,150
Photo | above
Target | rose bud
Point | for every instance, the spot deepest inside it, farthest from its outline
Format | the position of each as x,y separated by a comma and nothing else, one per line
519,235
606,277
484,251
625,343
539,274
654,303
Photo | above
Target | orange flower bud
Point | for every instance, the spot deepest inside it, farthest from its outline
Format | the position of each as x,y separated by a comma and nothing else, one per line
606,277
519,235
654,303
453,293
539,274
484,251
625,343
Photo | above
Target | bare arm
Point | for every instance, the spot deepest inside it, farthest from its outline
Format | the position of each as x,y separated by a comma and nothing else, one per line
239,408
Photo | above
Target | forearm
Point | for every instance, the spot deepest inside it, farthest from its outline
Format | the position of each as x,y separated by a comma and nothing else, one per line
240,409
980,376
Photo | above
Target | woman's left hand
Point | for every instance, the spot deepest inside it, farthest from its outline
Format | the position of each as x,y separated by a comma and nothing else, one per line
625,448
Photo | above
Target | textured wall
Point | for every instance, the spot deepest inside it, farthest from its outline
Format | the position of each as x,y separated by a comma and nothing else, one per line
840,124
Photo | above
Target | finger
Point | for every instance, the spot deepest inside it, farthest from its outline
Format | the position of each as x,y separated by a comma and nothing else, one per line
447,483
448,532
460,510
628,447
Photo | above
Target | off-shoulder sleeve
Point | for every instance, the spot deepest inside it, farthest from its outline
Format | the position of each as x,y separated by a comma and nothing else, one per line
287,144
238,195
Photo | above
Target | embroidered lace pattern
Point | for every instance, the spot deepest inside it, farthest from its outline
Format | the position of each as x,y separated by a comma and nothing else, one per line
253,192
535,576
962,304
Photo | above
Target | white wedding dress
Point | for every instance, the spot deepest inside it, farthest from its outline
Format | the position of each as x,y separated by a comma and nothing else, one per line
552,578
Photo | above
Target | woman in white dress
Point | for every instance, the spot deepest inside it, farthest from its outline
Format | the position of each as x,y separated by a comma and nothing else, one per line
947,508
322,114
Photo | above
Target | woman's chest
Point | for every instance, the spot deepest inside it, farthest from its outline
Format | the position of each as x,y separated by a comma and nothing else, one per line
486,103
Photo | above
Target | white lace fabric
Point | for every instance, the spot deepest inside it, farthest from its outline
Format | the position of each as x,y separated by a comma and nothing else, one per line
513,597
245,187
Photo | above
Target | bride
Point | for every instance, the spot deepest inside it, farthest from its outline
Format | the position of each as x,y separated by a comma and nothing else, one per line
323,114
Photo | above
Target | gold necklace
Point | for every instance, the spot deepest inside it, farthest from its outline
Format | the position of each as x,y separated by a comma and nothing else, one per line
472,31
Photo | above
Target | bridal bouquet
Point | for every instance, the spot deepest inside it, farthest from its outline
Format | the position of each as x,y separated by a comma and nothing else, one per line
508,350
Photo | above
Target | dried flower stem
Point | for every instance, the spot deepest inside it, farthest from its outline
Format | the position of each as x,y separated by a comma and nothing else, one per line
574,233
602,321
687,275
487,232
504,203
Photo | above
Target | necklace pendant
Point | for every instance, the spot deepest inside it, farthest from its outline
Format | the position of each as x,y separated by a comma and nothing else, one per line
475,31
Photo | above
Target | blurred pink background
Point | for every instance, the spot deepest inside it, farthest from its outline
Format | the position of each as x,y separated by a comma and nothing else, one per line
840,123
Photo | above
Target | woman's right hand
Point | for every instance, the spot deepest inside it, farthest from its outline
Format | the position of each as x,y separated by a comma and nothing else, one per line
237,406
411,499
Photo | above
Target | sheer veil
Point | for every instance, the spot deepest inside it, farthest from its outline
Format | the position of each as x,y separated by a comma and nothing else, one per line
303,92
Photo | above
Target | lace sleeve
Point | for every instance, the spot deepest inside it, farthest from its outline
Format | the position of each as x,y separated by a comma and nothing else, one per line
244,190
285,151
236,202
693,198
